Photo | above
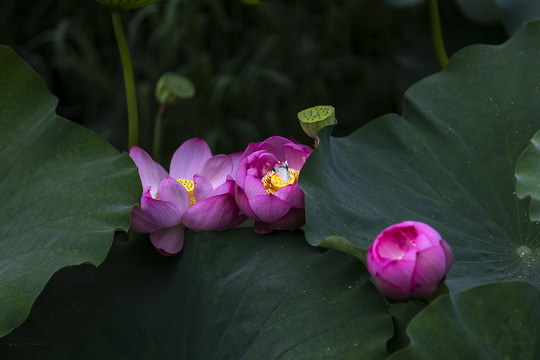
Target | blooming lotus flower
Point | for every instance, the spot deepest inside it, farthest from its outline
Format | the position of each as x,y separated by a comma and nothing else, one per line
197,194
266,184
408,260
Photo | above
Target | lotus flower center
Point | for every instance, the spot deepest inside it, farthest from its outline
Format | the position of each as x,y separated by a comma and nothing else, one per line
190,187
278,178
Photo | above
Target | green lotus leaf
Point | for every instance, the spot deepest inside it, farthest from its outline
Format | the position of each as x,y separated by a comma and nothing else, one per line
528,176
448,161
173,88
494,321
228,295
65,191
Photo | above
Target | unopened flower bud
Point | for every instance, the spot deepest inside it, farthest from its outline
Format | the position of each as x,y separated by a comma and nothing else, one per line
408,260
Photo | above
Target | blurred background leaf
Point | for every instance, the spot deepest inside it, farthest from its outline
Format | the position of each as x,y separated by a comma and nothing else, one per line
254,67
514,14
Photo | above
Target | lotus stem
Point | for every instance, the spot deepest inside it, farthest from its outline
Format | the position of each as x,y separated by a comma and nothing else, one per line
158,126
129,82
436,33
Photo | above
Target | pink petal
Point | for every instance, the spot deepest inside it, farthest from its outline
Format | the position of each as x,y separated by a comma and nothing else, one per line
262,228
375,262
427,236
292,194
189,158
251,148
169,241
239,219
236,158
171,190
242,201
293,220
203,187
213,213
253,186
161,171
296,155
258,164
149,171
430,266
241,173
226,188
275,145
216,169
426,230
162,213
268,208
448,254
391,290
399,272
140,223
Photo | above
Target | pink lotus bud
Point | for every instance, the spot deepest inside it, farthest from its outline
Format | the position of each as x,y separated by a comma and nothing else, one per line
408,260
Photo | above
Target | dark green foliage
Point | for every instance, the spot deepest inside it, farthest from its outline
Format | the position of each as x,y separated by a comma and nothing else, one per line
254,67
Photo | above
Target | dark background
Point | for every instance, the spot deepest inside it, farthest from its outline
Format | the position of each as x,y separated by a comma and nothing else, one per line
254,67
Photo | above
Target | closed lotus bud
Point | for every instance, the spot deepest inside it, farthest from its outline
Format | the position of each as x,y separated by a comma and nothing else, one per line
172,88
408,260
315,118
123,5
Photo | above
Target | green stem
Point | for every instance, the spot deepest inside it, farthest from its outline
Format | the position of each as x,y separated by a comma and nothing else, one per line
436,33
158,125
129,82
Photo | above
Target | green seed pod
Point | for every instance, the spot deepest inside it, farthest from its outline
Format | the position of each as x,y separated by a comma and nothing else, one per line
172,88
123,5
315,118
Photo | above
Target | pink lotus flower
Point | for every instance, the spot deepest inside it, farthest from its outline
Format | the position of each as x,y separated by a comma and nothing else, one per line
198,194
266,184
408,260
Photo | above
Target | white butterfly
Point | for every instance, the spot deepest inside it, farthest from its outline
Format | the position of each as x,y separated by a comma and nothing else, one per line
283,172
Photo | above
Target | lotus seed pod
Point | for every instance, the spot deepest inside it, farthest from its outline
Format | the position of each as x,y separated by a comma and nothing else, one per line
123,5
315,118
172,88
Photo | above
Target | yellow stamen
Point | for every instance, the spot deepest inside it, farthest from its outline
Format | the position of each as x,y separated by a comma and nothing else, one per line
272,182
190,187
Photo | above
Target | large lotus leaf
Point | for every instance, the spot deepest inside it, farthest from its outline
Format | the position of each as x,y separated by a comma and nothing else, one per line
528,176
447,161
229,295
64,191
494,321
